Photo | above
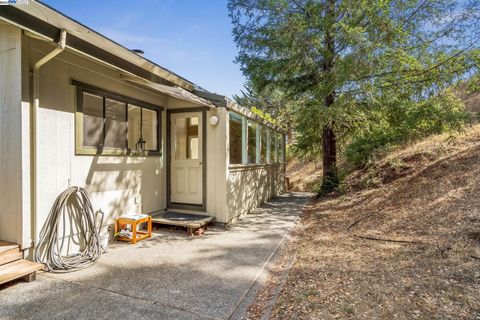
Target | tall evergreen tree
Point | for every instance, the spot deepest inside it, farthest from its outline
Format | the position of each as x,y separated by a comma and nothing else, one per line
336,56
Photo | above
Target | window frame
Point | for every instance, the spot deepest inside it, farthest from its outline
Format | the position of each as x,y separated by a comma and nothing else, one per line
241,121
255,156
272,143
81,149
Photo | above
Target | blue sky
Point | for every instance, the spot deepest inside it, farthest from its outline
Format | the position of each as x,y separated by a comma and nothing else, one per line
190,37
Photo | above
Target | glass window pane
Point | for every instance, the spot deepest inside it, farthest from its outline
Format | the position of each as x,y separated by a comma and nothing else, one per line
115,124
263,145
235,125
92,120
252,142
274,147
150,129
134,134
186,139
281,142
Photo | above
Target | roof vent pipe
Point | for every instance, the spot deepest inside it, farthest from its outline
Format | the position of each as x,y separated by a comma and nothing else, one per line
139,52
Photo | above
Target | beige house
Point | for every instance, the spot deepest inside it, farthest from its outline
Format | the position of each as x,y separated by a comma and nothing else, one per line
77,109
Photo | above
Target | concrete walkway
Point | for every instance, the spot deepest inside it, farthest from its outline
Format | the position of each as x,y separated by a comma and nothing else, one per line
169,276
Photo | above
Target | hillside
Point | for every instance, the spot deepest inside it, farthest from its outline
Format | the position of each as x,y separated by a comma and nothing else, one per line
403,240
472,102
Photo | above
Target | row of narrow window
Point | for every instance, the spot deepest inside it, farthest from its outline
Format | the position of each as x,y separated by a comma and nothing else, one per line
252,143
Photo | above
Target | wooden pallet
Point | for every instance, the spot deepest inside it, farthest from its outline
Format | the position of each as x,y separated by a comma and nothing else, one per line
12,266
190,221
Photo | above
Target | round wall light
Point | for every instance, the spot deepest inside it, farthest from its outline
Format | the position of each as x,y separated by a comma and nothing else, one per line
213,120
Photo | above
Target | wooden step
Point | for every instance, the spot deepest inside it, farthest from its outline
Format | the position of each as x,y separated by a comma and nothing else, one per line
5,246
18,269
9,252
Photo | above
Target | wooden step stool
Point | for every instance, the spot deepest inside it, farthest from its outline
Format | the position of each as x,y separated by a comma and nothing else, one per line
134,222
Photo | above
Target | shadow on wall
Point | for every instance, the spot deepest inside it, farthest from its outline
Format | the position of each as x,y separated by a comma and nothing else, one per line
120,184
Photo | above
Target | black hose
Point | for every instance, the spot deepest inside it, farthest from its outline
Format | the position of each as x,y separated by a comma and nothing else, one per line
72,206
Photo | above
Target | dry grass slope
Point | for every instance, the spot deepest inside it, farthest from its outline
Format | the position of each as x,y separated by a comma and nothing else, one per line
402,242
304,175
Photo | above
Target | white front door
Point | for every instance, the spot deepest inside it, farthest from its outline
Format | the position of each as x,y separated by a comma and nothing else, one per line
186,162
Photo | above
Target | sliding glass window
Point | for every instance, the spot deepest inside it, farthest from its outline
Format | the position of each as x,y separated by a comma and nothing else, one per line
111,125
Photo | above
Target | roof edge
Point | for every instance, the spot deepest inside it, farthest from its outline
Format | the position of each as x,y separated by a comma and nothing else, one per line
47,21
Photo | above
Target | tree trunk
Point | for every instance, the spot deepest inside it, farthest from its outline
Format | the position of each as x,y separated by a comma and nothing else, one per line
330,177
329,143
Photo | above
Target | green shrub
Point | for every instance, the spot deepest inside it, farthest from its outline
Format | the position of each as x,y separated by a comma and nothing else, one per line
405,123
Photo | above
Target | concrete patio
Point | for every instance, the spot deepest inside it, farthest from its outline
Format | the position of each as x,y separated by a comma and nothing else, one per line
170,276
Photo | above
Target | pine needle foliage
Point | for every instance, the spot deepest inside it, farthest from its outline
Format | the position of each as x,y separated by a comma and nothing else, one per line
356,75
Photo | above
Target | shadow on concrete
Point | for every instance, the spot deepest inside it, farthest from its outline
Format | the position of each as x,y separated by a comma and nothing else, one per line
184,277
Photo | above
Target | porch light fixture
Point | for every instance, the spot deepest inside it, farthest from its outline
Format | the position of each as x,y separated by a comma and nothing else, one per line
213,120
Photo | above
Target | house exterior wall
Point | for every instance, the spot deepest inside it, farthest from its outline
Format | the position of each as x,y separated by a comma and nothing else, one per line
217,163
14,141
116,184
248,186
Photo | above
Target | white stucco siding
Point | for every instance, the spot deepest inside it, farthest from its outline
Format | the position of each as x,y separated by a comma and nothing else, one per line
116,185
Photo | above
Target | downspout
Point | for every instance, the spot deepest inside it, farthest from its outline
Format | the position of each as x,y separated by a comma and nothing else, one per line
34,136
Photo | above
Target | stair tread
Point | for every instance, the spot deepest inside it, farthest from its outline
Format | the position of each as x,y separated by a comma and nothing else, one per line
18,269
5,246
10,256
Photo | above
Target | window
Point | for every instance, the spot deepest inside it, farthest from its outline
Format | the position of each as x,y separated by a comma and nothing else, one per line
252,142
281,148
150,128
142,128
114,125
235,133
186,138
92,120
115,135
263,144
273,147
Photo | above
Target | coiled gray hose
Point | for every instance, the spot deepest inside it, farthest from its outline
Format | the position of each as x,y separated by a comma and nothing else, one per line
71,221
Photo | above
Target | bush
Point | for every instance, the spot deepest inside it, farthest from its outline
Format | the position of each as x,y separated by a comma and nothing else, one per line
405,123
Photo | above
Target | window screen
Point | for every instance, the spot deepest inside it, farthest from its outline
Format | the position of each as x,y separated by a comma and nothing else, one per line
115,124
92,120
235,132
